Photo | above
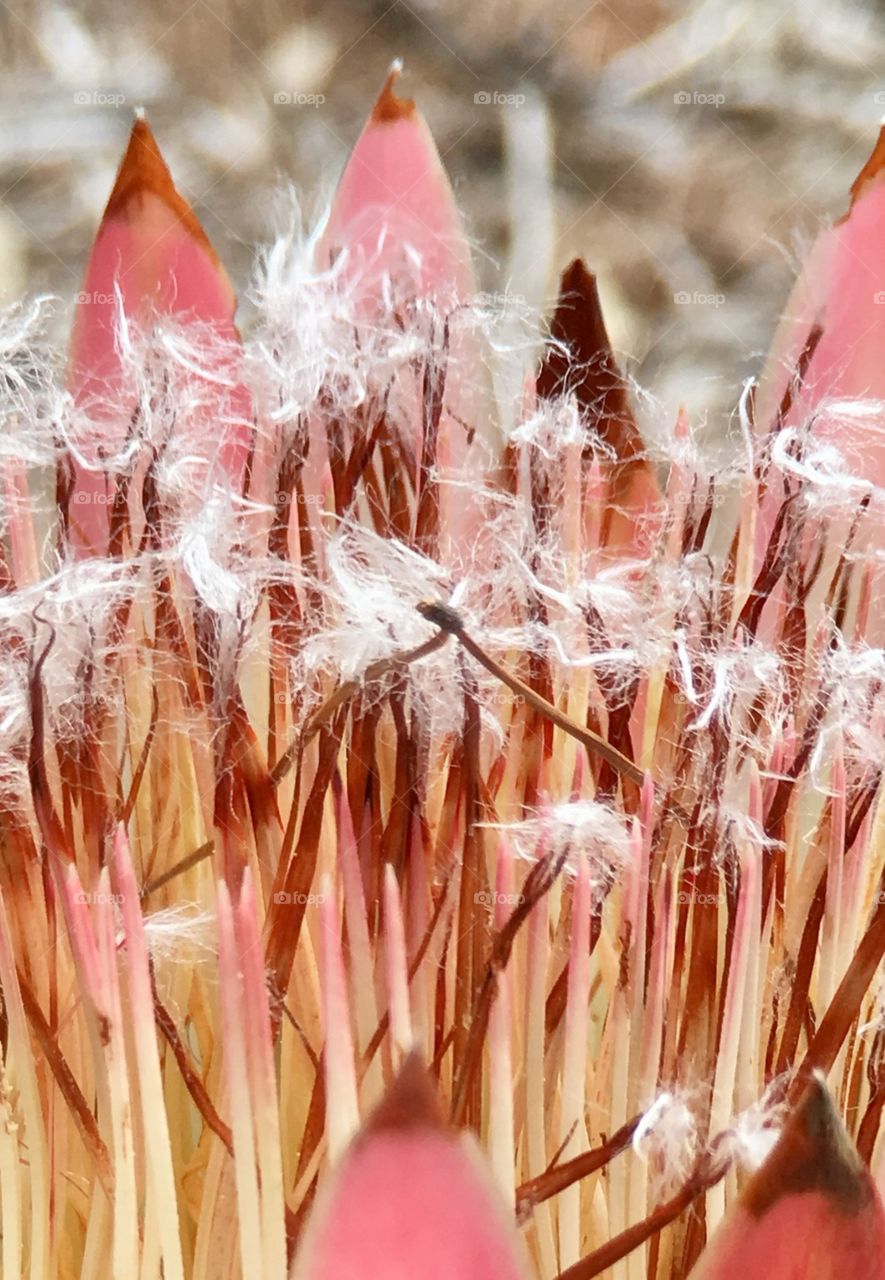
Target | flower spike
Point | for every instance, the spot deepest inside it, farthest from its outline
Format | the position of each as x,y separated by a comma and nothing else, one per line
394,208
580,361
496,831
825,379
396,243
811,1209
151,261
410,1198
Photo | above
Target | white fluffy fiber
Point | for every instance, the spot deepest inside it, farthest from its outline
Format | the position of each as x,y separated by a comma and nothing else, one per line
310,356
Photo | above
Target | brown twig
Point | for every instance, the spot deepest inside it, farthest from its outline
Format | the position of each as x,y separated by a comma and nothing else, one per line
184,864
707,1174
449,622
559,1176
374,671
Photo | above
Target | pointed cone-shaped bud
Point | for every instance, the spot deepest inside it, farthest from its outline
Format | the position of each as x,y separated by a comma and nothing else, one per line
396,237
829,344
411,1197
579,360
810,1211
394,210
150,258
840,293
151,245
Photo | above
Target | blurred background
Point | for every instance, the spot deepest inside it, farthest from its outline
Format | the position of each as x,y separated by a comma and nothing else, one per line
689,151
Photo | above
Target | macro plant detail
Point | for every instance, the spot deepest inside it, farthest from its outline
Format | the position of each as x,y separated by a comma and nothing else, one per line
441,815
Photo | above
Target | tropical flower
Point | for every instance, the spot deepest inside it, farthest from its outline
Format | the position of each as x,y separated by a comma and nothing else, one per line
441,831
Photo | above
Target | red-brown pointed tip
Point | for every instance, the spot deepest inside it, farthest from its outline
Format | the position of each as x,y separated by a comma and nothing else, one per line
143,171
814,1153
577,278
580,359
871,170
389,108
411,1101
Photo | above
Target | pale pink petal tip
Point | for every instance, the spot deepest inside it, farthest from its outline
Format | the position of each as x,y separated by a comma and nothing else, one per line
394,212
410,1198
833,333
811,1210
151,258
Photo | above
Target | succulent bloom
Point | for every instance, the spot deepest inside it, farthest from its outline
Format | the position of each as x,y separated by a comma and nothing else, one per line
810,1210
410,1198
830,338
151,259
429,847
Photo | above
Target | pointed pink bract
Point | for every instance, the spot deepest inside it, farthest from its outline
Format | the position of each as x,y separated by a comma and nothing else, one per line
396,235
410,1198
811,1212
834,326
150,258
394,205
